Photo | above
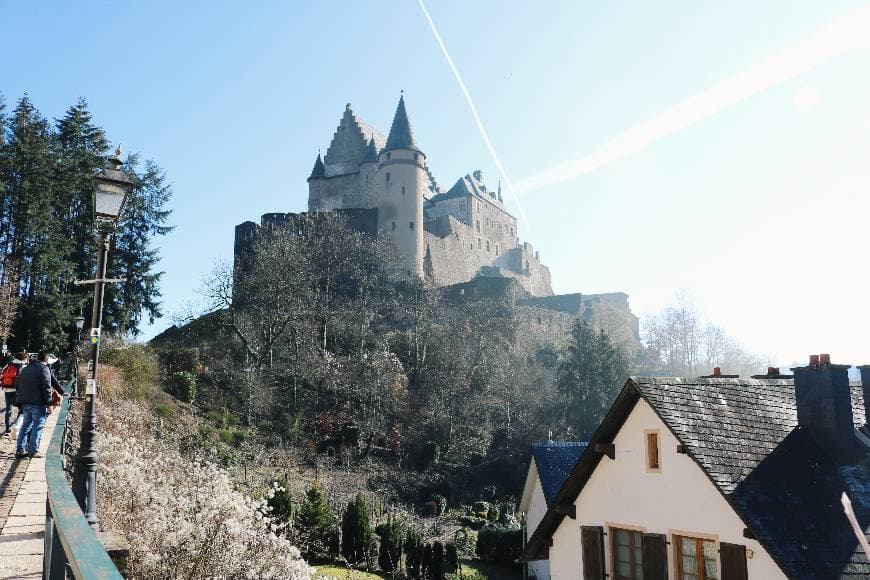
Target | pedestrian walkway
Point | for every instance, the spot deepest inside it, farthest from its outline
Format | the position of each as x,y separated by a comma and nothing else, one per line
22,508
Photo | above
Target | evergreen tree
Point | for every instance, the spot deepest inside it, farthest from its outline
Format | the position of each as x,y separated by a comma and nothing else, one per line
356,531
315,524
390,551
426,562
436,572
451,558
133,257
413,554
589,377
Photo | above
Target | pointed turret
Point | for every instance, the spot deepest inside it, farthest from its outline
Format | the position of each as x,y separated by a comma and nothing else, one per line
319,170
499,192
371,152
401,133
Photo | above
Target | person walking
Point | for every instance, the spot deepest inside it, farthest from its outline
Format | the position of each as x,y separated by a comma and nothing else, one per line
8,375
34,398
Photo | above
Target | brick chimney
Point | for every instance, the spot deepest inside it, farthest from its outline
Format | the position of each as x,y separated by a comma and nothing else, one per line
824,408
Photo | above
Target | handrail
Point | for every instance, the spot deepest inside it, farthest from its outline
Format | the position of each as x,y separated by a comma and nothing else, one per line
69,539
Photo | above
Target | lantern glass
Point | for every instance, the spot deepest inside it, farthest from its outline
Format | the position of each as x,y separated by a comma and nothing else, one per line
80,321
108,200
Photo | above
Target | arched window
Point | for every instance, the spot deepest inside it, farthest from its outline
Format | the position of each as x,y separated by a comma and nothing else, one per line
487,245
412,225
403,191
388,177
496,250
394,225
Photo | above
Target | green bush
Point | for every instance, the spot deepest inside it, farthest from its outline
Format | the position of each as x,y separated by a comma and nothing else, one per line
280,504
176,360
230,437
182,386
414,554
390,551
356,531
499,545
315,526
451,558
162,410
465,541
223,419
138,368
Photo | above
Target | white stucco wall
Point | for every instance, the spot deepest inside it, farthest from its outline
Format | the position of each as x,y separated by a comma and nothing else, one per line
534,506
679,498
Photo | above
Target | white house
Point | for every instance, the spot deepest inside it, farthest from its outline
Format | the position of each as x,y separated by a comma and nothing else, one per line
717,479
550,464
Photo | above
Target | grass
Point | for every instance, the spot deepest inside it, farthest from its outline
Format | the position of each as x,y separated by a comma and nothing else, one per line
477,570
341,573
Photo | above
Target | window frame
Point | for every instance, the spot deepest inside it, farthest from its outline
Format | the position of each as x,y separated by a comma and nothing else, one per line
676,536
648,456
633,531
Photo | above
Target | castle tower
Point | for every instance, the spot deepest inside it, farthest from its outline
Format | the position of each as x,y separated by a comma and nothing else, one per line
402,183
368,175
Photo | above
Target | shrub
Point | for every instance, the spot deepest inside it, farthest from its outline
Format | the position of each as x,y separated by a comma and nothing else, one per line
162,410
176,360
451,558
356,531
137,366
315,525
413,554
436,569
183,519
499,545
182,386
277,505
465,542
390,551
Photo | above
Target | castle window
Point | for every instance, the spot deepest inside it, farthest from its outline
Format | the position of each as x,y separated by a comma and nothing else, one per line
388,156
496,249
388,177
478,226
487,245
416,156
478,243
412,225
403,191
394,225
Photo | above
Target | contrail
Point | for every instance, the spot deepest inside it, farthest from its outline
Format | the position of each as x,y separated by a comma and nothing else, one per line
843,35
467,94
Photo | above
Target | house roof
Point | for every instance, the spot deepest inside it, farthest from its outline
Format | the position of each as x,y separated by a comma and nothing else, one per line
554,461
743,434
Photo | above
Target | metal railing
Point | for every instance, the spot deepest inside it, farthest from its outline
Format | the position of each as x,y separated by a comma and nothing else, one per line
71,545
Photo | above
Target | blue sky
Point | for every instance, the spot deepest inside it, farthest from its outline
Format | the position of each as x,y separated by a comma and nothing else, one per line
756,208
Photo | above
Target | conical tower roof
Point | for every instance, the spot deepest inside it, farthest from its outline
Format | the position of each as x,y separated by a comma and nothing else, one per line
371,151
401,133
319,170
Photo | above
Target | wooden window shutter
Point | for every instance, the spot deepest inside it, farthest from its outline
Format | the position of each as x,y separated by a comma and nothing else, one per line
733,557
655,557
592,540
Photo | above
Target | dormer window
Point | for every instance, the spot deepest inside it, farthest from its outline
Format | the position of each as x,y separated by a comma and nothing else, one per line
653,462
388,174
403,191
394,225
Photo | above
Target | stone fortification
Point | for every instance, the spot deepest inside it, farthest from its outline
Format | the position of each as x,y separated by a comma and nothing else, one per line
463,234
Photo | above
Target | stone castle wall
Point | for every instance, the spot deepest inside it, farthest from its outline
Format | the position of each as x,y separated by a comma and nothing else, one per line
456,253
351,190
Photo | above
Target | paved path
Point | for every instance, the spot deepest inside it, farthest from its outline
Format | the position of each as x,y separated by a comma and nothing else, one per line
22,508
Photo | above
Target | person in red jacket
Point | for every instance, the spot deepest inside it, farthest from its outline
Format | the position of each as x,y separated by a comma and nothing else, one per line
7,382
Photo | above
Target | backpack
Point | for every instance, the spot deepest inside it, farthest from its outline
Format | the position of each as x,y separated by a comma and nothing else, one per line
7,379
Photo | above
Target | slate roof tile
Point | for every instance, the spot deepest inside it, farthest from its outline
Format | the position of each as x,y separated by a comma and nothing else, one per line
555,460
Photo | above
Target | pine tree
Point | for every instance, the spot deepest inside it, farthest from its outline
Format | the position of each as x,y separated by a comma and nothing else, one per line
436,571
451,558
413,554
589,377
390,551
133,257
356,531
315,523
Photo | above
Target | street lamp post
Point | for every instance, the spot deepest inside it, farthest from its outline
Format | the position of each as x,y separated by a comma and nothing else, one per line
112,187
74,352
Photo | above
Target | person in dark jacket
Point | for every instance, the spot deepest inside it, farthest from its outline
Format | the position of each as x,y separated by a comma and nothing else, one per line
34,397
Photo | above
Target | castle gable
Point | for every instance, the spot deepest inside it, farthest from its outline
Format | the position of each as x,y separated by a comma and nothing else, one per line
350,143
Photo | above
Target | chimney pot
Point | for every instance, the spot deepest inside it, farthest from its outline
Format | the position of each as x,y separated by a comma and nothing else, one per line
772,371
824,359
814,360
717,371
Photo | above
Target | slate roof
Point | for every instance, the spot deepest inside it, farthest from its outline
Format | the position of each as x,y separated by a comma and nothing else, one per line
554,461
401,132
319,170
743,434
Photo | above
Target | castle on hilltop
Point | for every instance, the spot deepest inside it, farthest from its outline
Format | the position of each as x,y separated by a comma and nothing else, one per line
450,237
